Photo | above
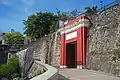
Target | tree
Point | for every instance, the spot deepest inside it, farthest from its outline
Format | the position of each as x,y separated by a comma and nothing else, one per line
67,15
14,38
38,25
44,23
62,15
74,13
91,10
30,26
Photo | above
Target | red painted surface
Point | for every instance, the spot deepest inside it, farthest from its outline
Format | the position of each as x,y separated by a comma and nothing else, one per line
72,21
76,53
84,44
65,63
78,47
81,46
62,50
71,40
80,40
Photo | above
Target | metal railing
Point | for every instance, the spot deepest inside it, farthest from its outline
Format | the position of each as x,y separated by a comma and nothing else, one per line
114,3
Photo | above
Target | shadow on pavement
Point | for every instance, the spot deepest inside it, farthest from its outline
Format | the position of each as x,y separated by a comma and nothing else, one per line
60,77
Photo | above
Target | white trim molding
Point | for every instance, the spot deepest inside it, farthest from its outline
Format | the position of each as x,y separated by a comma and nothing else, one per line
71,35
79,67
63,66
77,25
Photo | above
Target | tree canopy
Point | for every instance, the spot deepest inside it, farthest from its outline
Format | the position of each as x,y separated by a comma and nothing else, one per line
91,10
38,25
43,23
14,38
67,15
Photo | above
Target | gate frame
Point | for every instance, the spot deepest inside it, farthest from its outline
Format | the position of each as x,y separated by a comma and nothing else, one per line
74,30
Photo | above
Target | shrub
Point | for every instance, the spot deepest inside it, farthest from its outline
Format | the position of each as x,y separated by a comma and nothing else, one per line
11,69
15,75
40,72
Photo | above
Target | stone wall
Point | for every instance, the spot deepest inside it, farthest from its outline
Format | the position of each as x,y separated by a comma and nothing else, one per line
26,60
51,73
103,51
47,49
104,42
35,68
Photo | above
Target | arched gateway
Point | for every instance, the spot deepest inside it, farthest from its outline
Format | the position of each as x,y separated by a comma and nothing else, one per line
73,42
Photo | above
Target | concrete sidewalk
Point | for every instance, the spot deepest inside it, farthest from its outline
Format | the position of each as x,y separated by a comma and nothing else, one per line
84,74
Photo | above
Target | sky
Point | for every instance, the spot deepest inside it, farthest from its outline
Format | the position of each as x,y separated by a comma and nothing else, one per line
13,12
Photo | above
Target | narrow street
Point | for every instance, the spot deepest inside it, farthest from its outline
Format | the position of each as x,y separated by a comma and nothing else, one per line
83,74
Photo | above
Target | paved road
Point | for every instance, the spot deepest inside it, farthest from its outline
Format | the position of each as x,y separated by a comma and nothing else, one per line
83,74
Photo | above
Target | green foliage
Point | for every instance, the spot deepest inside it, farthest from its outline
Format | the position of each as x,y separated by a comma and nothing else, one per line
44,23
39,72
14,38
91,10
38,25
62,15
74,13
53,27
67,15
14,75
10,70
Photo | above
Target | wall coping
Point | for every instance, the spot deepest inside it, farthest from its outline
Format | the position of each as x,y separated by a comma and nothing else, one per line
50,74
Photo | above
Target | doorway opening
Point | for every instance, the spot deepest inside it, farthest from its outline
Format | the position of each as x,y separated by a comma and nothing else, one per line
71,53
